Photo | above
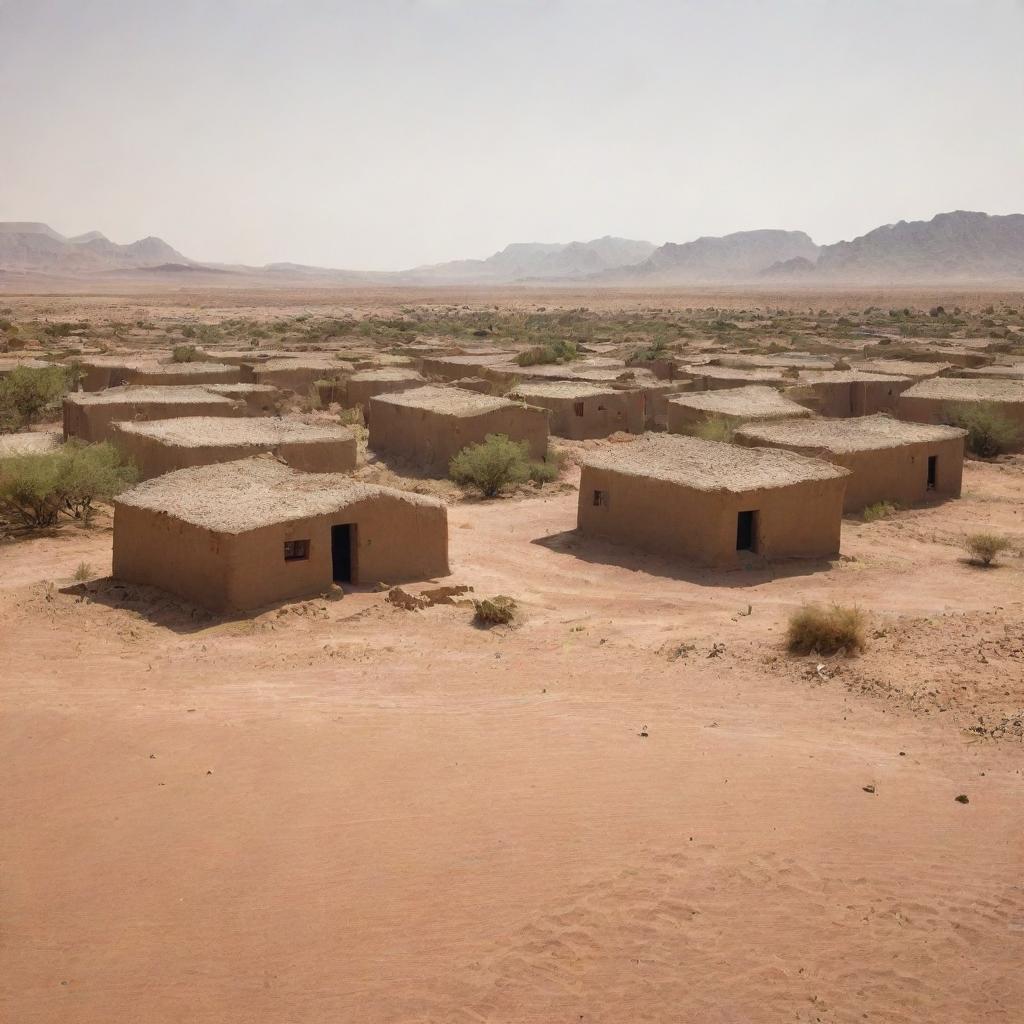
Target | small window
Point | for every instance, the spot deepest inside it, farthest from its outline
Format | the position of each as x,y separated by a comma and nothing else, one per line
296,550
600,498
578,406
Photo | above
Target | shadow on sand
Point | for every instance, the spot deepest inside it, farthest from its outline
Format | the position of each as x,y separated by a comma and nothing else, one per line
753,572
178,615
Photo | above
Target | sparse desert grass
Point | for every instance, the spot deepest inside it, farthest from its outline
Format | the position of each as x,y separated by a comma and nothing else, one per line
817,629
186,354
714,428
83,572
880,510
494,611
984,548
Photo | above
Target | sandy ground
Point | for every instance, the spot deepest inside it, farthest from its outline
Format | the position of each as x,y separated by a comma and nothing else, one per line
340,811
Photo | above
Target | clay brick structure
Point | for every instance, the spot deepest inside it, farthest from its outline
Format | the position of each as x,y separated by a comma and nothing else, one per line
847,392
162,446
710,503
241,535
366,384
182,374
688,411
937,400
902,368
428,426
711,378
299,374
579,410
88,415
888,459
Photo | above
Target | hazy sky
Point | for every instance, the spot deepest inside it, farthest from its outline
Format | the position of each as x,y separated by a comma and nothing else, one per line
388,133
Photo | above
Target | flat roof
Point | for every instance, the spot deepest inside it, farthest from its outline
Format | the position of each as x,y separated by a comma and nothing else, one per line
446,401
133,394
901,367
710,465
858,433
301,362
156,369
753,401
214,431
386,374
241,389
963,389
568,389
998,371
248,494
848,377
30,363
735,373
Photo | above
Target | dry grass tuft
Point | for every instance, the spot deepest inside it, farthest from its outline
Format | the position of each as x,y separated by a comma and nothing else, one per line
494,611
984,548
814,629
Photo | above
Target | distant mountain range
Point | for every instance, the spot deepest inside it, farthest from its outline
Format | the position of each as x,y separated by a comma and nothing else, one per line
959,246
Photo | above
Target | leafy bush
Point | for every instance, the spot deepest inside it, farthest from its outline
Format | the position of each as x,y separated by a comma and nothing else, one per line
557,351
492,465
35,489
28,392
880,510
989,430
186,354
495,611
814,629
984,548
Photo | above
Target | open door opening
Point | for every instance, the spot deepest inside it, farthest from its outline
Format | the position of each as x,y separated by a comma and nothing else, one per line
746,531
933,468
343,539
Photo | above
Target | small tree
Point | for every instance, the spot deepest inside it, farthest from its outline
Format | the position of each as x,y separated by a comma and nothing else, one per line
492,465
36,488
27,392
984,548
989,431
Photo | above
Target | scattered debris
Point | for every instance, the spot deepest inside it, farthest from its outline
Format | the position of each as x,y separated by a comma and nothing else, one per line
643,734
495,611
962,799
868,788
717,650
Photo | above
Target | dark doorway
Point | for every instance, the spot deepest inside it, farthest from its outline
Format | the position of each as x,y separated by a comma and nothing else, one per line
933,467
342,539
746,531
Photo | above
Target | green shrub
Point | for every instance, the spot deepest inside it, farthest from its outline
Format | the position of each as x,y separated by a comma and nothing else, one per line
492,465
547,470
26,393
494,611
818,630
558,351
880,510
984,548
36,488
186,354
989,431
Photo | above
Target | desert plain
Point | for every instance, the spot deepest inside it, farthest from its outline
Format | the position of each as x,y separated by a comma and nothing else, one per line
631,805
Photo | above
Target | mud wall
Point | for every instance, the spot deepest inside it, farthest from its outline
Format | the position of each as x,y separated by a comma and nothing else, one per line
664,518
429,440
94,422
593,416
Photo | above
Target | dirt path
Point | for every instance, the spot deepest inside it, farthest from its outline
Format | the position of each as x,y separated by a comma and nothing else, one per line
341,811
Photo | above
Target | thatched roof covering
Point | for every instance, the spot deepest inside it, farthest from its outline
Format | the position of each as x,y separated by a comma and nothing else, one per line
216,431
445,401
858,433
960,389
235,497
748,403
141,394
709,465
